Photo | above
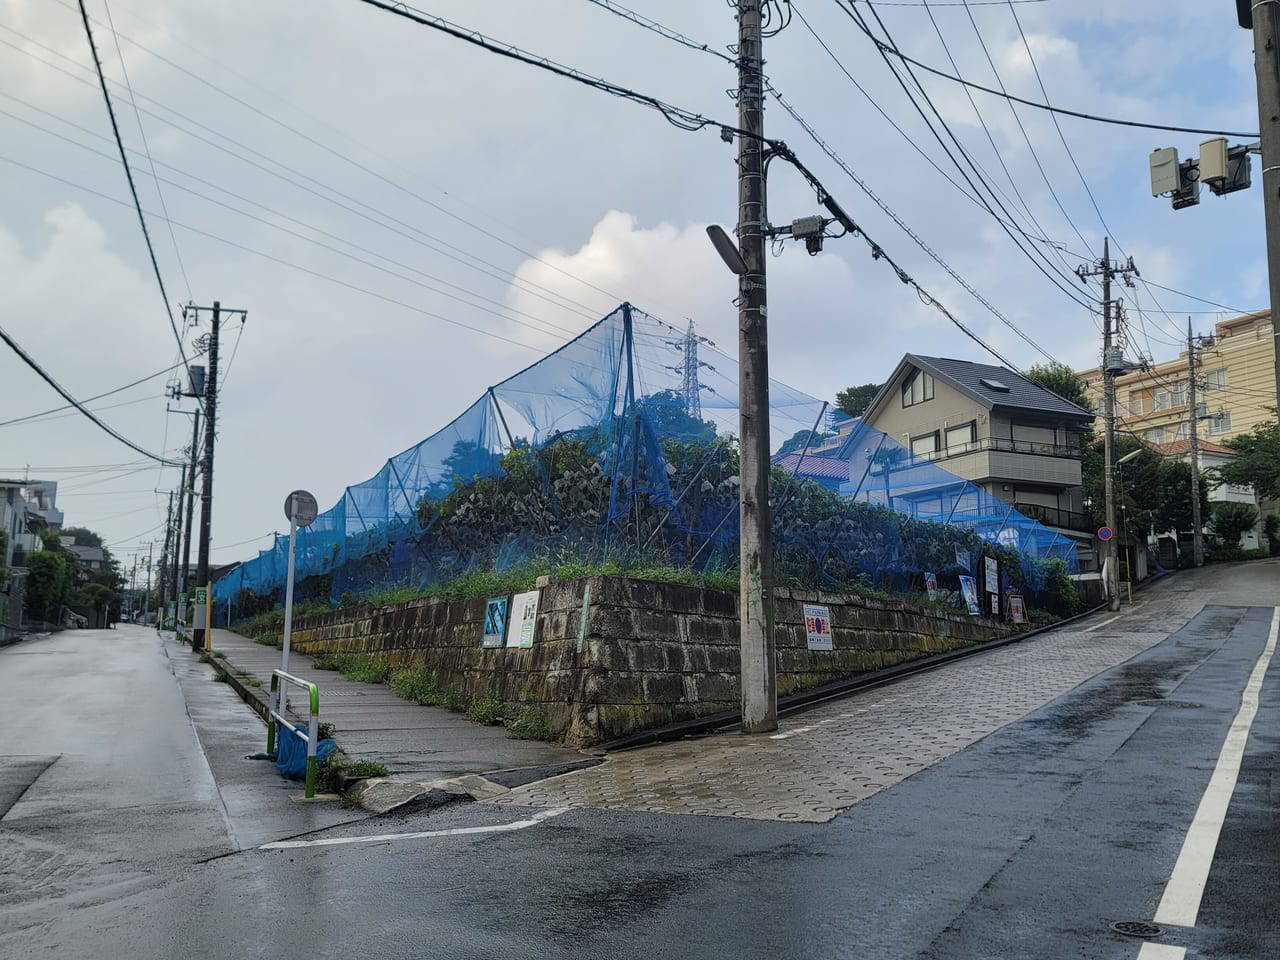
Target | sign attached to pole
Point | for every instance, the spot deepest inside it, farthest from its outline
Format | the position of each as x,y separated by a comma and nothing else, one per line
992,578
524,619
931,585
817,626
1105,534
300,509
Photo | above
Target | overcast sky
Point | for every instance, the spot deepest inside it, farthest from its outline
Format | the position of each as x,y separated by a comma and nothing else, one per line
356,181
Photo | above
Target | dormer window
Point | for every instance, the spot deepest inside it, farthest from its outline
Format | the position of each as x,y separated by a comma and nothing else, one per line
917,388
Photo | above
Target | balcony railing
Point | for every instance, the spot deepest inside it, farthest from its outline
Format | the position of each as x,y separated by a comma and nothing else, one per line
1053,517
1034,447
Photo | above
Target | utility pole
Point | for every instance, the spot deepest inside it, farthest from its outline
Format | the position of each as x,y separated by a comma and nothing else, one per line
210,430
163,577
146,597
183,585
759,670
1266,61
1113,364
176,556
1197,537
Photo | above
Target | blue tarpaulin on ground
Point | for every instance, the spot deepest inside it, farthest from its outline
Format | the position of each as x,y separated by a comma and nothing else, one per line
291,754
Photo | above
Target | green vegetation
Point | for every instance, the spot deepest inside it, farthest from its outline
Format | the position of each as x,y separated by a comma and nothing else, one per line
855,400
354,666
339,769
486,710
418,685
1230,521
532,723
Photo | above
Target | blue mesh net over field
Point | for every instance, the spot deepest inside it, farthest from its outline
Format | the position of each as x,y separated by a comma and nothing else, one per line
622,441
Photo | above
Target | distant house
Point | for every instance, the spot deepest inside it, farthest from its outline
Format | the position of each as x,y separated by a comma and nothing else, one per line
1213,455
826,460
1015,440
88,560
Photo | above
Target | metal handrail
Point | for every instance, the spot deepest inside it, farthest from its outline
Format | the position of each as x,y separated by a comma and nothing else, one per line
311,736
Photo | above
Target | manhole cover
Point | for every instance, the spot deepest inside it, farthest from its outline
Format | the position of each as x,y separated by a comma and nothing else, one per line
1161,702
1136,928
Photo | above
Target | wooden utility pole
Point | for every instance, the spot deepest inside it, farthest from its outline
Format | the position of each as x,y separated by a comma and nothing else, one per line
759,670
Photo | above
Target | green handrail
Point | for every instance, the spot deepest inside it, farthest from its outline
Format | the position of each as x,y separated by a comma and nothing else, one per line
312,736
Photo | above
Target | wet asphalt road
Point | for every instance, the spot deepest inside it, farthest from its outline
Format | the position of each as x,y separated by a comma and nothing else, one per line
1028,844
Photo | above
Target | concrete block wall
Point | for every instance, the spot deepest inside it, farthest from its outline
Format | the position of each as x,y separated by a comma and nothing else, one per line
652,653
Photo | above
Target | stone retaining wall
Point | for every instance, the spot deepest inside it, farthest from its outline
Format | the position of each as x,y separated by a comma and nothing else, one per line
651,653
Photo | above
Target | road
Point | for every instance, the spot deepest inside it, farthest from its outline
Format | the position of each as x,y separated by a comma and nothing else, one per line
1104,805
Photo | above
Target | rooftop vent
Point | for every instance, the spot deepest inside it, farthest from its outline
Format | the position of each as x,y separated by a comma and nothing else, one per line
994,385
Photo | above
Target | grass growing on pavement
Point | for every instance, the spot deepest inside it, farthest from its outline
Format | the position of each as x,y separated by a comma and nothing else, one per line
419,685
486,710
354,666
532,723
338,769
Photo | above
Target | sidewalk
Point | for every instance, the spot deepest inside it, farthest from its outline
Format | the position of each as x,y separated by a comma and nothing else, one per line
371,723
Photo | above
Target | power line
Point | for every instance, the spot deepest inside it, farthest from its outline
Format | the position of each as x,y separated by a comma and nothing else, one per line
133,190
677,116
1048,268
29,361
100,396
219,141
142,133
655,27
835,158
890,48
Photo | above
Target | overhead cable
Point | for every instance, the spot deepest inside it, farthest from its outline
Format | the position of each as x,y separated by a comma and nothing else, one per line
892,50
133,190
30,362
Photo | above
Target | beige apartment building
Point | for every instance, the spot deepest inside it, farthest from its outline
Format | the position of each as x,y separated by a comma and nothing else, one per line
1237,377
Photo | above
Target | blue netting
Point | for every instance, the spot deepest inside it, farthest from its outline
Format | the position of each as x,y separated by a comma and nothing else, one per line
623,440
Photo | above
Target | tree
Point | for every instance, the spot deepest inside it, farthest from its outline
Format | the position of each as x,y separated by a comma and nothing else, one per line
48,585
800,440
1060,379
855,400
670,418
1257,461
1175,497
109,575
1232,520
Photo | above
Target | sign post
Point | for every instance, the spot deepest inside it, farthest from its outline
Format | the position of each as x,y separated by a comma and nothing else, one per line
300,508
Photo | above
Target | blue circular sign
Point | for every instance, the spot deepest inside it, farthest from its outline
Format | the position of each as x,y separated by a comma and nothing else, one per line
1105,533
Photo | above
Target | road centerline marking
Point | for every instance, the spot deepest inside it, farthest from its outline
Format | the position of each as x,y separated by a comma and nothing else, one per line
1182,895
533,821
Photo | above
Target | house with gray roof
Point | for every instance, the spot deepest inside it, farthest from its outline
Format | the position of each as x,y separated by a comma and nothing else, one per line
992,426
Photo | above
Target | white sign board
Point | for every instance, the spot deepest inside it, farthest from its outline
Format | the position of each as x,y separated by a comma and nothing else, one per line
817,626
523,620
992,577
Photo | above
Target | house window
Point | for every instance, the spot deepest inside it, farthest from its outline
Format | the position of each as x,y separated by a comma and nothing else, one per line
1168,399
1154,435
925,445
917,388
1215,380
1220,422
959,438
1139,402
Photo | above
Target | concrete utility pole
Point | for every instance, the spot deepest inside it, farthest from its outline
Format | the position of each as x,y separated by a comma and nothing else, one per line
1266,60
1112,365
759,669
183,585
206,494
1197,537
163,578
146,597
176,556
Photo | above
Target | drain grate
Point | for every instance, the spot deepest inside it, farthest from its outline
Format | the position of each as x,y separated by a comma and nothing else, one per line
1161,702
1136,928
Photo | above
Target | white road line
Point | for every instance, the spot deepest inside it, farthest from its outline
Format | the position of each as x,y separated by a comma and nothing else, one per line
1181,901
422,835
1161,951
1099,626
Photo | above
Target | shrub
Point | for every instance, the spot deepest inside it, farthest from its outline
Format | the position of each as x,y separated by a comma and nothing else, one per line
418,685
532,723
487,710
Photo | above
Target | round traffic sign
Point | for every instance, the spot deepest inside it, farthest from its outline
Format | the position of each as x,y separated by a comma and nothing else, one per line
300,507
1105,533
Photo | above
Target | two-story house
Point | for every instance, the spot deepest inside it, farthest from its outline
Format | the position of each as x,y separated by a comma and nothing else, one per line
1015,440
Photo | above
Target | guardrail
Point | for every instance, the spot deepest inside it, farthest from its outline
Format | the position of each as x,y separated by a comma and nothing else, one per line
312,733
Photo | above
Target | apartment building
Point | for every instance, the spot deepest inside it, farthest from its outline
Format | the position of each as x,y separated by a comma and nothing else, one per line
1237,384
